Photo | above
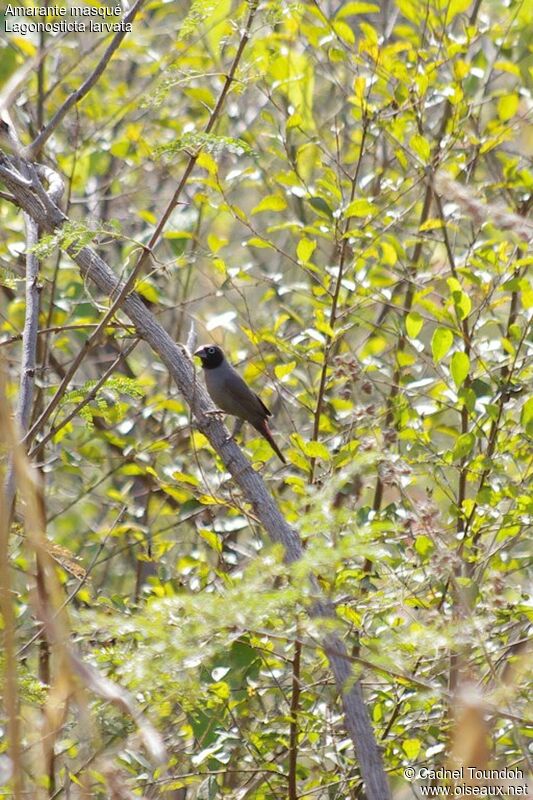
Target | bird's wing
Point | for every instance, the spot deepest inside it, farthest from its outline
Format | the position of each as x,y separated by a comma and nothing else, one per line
246,404
240,400
233,395
263,406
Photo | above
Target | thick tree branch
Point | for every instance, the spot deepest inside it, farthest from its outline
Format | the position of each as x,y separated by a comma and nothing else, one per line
178,362
29,348
31,326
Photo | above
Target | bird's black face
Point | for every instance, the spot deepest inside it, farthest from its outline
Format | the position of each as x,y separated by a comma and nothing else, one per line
210,355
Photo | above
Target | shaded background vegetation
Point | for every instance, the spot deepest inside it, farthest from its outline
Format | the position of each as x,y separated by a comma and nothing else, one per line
346,234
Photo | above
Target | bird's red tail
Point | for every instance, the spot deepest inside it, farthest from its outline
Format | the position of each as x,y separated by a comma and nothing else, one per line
265,431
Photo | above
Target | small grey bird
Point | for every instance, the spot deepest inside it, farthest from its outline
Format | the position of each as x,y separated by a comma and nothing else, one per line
231,394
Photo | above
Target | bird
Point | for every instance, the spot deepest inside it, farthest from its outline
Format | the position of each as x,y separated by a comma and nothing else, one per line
232,395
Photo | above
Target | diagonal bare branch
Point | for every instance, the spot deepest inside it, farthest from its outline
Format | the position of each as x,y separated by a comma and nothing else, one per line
180,366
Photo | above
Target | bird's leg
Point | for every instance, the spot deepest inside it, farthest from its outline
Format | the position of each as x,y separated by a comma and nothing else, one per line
237,428
215,413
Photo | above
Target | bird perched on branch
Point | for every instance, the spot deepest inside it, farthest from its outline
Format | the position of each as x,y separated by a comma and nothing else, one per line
232,395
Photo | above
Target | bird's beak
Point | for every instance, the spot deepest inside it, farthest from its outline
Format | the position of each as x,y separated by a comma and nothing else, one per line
200,353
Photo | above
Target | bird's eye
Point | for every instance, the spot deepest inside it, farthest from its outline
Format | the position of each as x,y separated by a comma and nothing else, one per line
211,350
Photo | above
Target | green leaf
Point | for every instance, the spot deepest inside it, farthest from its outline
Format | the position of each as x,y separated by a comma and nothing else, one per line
526,417
7,277
424,545
359,208
316,450
420,146
74,235
460,367
255,241
431,224
198,141
411,747
507,66
305,249
147,289
441,342
464,445
281,370
508,106
454,7
413,324
215,243
274,202
390,256
293,74
405,359
320,205
468,397
213,539
343,31
178,235
461,301
351,9
120,148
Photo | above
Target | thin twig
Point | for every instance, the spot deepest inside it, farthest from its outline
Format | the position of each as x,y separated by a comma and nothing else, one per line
89,397
87,346
343,250
11,694
31,326
294,726
80,326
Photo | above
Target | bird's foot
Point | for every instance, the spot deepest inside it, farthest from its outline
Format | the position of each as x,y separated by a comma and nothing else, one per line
216,413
